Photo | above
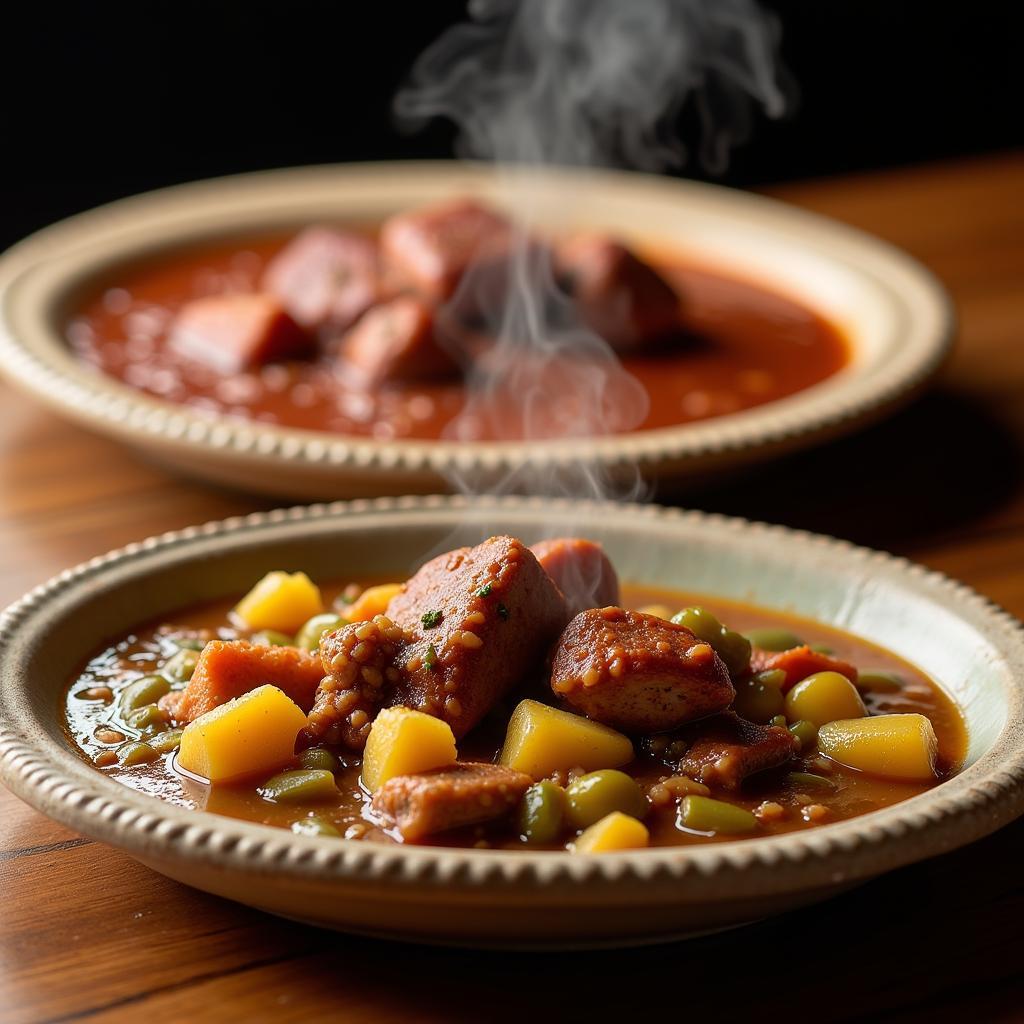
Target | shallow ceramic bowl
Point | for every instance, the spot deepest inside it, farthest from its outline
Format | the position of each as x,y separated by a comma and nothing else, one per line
896,316
975,651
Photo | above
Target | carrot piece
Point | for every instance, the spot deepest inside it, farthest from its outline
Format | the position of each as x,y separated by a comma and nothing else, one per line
799,663
228,668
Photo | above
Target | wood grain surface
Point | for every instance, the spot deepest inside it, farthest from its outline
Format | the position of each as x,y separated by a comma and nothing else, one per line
87,934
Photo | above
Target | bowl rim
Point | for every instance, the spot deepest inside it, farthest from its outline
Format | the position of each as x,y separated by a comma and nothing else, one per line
34,354
55,780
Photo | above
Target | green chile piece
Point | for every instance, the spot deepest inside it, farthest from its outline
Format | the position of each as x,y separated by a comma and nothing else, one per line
180,666
808,780
732,647
774,639
190,643
271,638
313,826
806,732
136,752
703,814
308,636
756,701
146,717
299,786
879,681
595,795
542,813
147,690
319,759
165,742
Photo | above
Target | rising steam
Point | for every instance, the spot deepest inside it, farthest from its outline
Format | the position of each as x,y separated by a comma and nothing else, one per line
583,83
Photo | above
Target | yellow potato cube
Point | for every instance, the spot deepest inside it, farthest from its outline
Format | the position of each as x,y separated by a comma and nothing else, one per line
541,739
402,742
372,601
253,734
615,831
281,601
824,697
896,746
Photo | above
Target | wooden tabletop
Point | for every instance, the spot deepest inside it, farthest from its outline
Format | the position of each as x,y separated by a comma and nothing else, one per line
87,934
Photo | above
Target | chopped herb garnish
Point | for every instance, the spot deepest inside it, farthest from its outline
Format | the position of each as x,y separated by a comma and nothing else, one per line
502,612
485,590
431,619
430,658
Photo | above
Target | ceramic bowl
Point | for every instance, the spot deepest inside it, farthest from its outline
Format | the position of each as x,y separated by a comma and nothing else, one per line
513,898
895,315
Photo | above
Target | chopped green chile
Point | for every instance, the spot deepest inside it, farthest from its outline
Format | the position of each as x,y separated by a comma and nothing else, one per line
757,701
805,732
166,742
308,636
877,681
704,814
136,753
181,665
319,759
593,796
271,638
542,813
732,647
299,786
313,826
146,717
773,639
147,690
809,780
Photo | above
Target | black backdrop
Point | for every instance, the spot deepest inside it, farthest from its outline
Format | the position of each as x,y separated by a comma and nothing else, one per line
103,99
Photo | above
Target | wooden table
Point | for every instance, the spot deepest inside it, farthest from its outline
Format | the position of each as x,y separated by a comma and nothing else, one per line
87,934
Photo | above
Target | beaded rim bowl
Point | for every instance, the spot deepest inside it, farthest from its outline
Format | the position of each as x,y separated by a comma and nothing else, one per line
897,318
512,898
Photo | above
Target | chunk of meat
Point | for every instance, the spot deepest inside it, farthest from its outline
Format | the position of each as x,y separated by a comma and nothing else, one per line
581,570
725,749
429,249
799,663
326,278
621,298
466,793
237,332
638,672
228,668
464,630
397,341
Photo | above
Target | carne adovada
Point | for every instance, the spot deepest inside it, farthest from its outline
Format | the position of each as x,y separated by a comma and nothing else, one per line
374,332
511,697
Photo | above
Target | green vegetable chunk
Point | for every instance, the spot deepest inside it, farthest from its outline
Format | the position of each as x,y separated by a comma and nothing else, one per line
313,826
165,742
299,786
180,666
134,753
189,643
146,717
756,701
879,681
774,639
147,690
542,813
597,794
808,780
309,634
732,647
431,619
805,732
271,638
702,814
319,759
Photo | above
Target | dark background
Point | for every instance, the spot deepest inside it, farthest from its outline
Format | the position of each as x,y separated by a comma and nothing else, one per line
105,99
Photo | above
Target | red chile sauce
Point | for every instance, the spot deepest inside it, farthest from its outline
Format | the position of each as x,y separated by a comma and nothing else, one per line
855,793
753,346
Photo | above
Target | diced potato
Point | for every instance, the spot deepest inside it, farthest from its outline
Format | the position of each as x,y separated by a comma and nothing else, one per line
541,739
824,697
403,742
372,601
281,601
896,746
615,831
253,734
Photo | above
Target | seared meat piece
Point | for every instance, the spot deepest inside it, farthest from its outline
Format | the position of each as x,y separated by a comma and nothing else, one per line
397,341
483,618
581,570
799,663
428,250
624,300
726,749
464,630
237,332
361,664
462,794
637,672
325,278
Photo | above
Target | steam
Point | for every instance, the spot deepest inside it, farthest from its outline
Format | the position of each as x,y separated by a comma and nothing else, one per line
583,83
